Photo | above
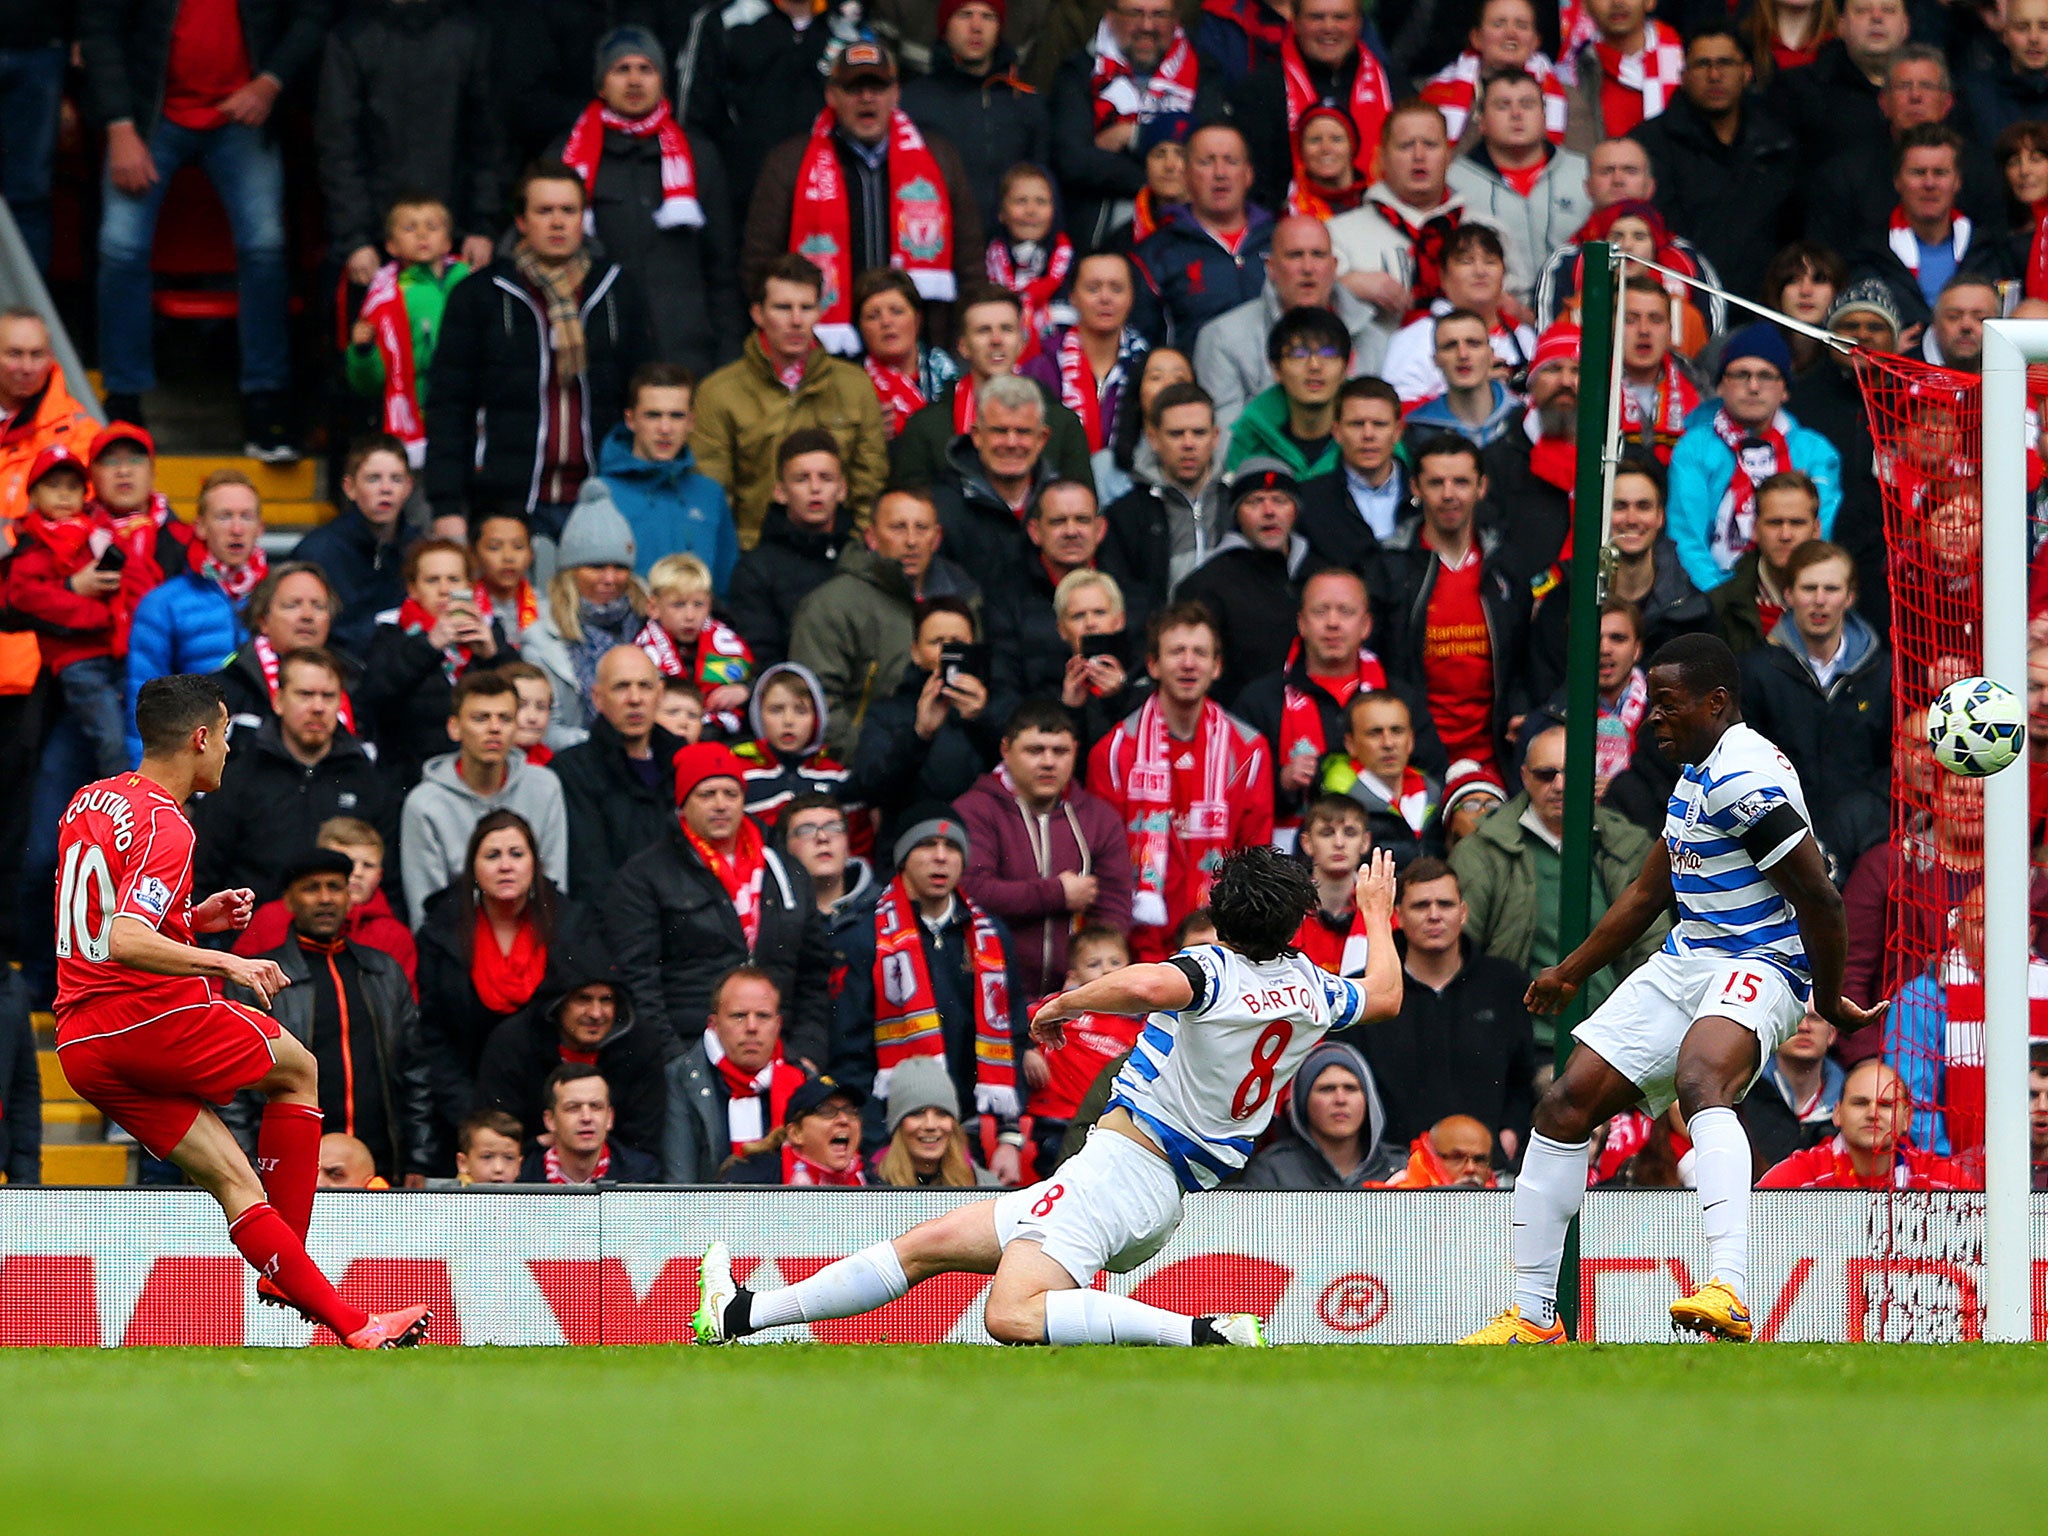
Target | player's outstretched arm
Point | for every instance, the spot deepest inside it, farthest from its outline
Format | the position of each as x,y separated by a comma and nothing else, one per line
1801,877
132,942
1135,990
1375,896
1647,896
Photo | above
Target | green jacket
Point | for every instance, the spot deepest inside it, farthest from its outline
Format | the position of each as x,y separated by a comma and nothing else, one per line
1496,876
1734,605
1262,429
425,292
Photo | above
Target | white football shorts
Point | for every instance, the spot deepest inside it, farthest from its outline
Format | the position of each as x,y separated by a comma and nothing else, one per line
1112,1205
1639,1028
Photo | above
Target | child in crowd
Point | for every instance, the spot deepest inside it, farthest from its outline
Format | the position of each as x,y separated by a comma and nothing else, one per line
391,344
418,655
1093,1041
686,641
1163,145
536,704
806,527
1335,841
1030,256
681,710
370,921
786,758
503,547
66,578
489,1148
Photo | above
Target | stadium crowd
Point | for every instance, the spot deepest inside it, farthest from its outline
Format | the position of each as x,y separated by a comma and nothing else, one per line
861,508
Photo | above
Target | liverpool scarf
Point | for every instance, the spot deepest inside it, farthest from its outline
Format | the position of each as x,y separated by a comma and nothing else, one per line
1036,279
238,582
907,1020
898,392
391,333
1637,86
1301,716
1080,391
1118,93
1756,457
551,1166
1615,744
1371,99
523,609
268,662
1205,824
414,619
740,875
1676,398
745,1093
920,221
1454,89
679,208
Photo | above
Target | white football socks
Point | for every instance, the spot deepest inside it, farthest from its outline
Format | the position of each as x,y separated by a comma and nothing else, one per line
1721,1168
858,1283
1096,1317
1548,1193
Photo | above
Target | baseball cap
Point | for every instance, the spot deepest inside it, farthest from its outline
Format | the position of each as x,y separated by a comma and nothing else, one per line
54,457
810,1096
863,61
122,432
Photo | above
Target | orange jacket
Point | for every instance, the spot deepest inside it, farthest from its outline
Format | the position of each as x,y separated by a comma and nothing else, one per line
57,417
1425,1170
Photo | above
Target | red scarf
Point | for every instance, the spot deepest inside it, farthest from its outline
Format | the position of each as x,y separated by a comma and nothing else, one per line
898,392
1637,87
1454,89
391,332
1079,392
1906,245
1301,716
66,539
1551,459
1411,800
1426,246
1204,828
1733,533
679,207
1341,954
747,1095
1615,744
505,980
741,875
798,1169
415,620
1035,293
920,224
238,583
1676,399
551,1166
907,1011
2037,254
1119,96
719,657
1371,99
525,608
267,661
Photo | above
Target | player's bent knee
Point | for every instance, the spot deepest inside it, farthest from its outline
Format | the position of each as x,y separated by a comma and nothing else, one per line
1015,1319
1560,1117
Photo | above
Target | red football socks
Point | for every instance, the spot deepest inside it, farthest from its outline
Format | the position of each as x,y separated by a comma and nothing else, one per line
272,1248
288,1160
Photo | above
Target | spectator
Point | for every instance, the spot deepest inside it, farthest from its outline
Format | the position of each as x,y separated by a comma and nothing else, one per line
21,1085
1294,421
1092,1044
351,1005
782,382
812,831
932,737
1508,868
1390,250
370,920
1334,841
1474,404
708,897
535,352
907,371
1065,533
193,623
483,952
578,1117
1634,223
361,550
785,756
1870,1149
1232,357
973,100
41,412
1254,578
1462,628
659,204
1470,793
291,775
1164,367
865,189
1326,146
1628,71
581,1014
615,783
1897,899
1503,36
807,525
171,95
536,708
1338,1127
489,1147
731,1084
1173,517
1530,473
1719,462
1728,170
1097,689
1516,179
595,603
484,773
1455,1153
646,462
1345,514
346,1163
681,710
818,1142
1787,38
1048,856
1750,603
1329,59
931,977
684,640
1095,362
1930,240
1475,269
1658,394
1377,768
292,608
1178,821
1955,336
437,638
998,468
1630,774
407,119
927,1147
1201,261
122,467
2013,88
1139,70
1792,1106
856,630
1030,256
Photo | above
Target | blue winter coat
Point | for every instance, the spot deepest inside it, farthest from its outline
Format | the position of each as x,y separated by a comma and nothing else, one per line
1190,278
672,508
1701,467
186,625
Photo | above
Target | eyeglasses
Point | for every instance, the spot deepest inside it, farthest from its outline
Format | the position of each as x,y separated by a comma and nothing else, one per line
810,832
1304,353
1544,775
1752,376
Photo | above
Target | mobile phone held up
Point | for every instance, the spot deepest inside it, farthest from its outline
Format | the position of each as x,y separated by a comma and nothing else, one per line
957,660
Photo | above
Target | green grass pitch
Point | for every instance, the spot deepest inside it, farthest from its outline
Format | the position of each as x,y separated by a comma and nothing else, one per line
838,1441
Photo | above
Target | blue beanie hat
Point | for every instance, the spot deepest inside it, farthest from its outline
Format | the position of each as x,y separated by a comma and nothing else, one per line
1761,340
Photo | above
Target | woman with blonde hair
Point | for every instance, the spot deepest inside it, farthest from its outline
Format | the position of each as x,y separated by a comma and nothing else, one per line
594,602
927,1145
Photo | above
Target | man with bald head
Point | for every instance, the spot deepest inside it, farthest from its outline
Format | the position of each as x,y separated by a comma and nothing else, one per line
1301,269
615,786
1870,1149
1455,1153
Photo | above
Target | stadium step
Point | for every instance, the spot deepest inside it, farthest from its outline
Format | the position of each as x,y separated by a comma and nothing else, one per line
294,495
68,1122
94,1162
56,1090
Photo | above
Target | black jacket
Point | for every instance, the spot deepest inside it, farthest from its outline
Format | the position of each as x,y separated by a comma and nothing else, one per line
1995,98
769,580
689,278
408,103
544,54
126,47
1828,104
1838,739
1262,704
248,694
269,807
982,535
1532,517
1740,202
613,813
1333,528
485,409
674,933
1827,399
894,769
1467,1050
1674,607
1097,182
1989,255
364,570
995,121
695,1141
771,85
403,699
21,1085
1255,595
1030,657
1852,198
401,1077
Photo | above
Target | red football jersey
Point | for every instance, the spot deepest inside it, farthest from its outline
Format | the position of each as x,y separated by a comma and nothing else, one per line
124,849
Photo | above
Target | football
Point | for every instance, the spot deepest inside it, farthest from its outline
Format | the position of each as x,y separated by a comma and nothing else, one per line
1976,727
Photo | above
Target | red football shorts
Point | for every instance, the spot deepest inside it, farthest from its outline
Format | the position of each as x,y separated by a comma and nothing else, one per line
152,1079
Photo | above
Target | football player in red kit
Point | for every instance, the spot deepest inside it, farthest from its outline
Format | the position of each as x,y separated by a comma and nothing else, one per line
144,1032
